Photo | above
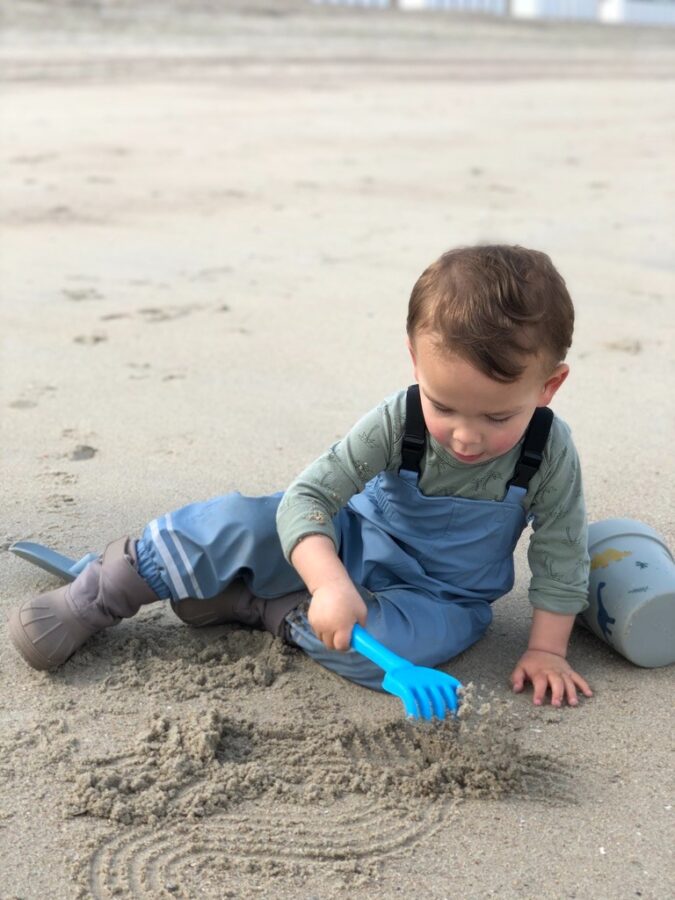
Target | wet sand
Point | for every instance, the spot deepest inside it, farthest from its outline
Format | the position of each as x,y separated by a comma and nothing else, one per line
211,219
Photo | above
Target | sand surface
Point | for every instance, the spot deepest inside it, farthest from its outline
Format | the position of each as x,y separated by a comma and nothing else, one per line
211,217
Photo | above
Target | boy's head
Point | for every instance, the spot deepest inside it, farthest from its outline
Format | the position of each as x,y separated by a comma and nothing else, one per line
488,329
495,306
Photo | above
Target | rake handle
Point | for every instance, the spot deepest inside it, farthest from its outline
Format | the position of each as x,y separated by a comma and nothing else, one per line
376,652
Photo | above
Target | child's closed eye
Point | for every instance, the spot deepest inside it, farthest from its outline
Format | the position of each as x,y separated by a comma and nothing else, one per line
445,411
498,421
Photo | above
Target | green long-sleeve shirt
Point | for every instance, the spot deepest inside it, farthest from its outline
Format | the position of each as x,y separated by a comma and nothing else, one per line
557,554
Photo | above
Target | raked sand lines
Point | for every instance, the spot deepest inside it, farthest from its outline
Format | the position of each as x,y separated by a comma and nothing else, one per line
324,804
241,853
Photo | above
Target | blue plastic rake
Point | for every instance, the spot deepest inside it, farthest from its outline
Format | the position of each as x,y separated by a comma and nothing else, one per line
426,693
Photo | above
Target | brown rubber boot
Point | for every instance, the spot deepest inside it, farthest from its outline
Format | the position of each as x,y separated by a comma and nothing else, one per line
48,629
237,604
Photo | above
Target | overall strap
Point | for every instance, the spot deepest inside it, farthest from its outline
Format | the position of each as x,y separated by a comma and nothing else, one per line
415,434
532,452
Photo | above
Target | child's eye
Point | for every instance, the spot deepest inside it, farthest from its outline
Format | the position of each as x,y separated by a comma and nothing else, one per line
498,421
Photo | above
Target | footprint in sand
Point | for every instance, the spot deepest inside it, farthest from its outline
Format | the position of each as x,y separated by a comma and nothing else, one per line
58,477
78,295
112,316
59,501
32,396
83,451
625,345
98,337
154,314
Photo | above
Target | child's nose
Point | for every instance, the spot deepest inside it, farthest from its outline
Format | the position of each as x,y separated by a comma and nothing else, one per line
466,436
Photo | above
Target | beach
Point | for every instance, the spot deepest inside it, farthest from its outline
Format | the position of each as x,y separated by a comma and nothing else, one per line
212,215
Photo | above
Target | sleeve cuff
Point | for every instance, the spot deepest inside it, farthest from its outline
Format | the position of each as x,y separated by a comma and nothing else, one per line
568,607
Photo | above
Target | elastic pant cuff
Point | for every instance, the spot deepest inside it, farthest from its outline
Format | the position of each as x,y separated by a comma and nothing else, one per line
147,569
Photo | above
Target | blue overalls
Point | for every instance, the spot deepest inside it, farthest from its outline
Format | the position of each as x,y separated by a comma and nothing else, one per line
428,568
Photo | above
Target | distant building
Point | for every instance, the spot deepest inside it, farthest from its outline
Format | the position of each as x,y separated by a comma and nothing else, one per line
638,12
634,12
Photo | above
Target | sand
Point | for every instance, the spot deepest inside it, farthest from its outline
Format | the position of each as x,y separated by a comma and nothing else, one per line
211,218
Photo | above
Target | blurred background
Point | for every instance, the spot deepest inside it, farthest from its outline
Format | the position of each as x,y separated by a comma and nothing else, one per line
212,214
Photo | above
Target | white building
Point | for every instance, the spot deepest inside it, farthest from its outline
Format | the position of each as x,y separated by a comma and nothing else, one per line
635,12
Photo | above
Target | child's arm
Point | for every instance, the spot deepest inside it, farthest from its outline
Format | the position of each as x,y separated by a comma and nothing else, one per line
306,512
544,662
559,562
336,604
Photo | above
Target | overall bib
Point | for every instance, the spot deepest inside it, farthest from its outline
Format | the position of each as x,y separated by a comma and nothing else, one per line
427,567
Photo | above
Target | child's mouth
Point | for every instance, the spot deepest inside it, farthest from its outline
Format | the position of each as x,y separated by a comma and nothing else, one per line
462,458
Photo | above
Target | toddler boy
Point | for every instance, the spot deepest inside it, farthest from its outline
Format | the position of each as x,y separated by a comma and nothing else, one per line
407,525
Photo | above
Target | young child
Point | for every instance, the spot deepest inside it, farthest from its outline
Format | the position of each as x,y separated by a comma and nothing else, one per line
407,525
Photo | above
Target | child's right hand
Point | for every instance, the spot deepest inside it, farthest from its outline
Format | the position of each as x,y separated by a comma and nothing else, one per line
335,608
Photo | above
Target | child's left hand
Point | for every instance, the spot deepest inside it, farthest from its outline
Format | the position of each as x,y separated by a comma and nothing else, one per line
548,670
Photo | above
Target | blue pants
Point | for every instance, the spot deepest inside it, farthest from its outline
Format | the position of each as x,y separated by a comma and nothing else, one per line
197,551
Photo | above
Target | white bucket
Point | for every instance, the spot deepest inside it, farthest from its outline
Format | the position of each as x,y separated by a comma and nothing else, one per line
632,591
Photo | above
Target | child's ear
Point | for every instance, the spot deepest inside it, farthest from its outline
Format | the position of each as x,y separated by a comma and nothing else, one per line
553,383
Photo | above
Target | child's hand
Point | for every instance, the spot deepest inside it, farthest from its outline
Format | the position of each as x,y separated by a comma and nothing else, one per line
548,670
333,612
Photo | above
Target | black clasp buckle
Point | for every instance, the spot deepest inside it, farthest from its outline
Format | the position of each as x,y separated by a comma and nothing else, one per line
413,443
412,451
526,467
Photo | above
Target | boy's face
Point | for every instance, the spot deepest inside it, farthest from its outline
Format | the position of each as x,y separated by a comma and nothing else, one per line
471,415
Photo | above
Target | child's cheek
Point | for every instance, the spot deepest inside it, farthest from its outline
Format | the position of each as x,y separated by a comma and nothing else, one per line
503,442
438,432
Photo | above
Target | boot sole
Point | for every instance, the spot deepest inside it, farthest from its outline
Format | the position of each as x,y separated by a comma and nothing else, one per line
26,648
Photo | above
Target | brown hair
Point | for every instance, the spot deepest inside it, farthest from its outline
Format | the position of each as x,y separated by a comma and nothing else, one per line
493,306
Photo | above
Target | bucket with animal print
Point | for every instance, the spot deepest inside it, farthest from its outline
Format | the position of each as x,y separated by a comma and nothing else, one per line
632,591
